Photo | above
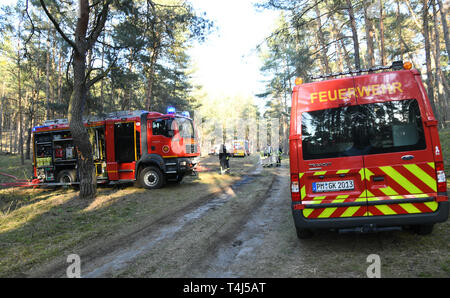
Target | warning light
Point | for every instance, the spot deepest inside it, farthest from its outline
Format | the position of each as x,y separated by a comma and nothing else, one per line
407,65
186,114
298,81
171,110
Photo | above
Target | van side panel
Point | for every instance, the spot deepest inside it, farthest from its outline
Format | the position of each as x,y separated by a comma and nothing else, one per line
393,169
404,180
319,203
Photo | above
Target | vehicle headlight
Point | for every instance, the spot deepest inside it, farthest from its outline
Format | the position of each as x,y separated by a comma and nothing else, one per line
183,163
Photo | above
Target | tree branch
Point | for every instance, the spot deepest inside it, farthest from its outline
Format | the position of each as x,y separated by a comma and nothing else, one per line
99,25
67,71
102,75
58,28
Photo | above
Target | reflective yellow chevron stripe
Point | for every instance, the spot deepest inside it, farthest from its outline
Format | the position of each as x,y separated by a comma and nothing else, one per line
410,208
303,192
405,183
419,173
327,212
368,174
320,173
307,212
432,205
350,211
388,191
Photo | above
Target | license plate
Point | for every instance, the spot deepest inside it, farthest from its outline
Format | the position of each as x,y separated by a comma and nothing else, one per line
333,186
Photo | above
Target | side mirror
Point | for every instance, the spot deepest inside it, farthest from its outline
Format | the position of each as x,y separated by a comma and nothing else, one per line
170,133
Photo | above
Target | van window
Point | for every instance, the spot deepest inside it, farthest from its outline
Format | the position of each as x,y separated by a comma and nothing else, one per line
376,128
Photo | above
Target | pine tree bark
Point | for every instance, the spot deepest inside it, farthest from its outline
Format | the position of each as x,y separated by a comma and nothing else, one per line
19,82
354,34
47,78
382,47
1,116
81,46
426,36
369,35
321,38
444,14
151,72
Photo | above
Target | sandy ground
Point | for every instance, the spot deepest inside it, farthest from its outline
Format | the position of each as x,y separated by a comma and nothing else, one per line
248,231
241,227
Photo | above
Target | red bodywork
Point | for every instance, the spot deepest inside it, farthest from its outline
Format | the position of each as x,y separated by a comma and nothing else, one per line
160,148
378,178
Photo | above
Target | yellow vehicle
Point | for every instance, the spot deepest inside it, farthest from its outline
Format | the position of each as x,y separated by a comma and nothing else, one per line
240,148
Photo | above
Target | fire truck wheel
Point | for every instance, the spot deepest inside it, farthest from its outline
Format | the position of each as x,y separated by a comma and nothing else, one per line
66,176
304,233
151,178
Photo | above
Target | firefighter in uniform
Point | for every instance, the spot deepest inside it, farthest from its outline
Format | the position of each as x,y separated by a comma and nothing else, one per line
279,153
224,158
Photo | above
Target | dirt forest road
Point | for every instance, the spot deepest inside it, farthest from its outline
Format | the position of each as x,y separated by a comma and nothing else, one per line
248,231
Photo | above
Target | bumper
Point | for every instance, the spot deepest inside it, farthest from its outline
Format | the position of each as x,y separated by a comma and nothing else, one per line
181,165
440,215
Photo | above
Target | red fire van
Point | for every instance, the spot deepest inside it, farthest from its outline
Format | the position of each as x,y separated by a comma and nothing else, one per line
365,154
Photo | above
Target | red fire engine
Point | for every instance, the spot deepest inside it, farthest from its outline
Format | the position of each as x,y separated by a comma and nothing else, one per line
146,146
365,154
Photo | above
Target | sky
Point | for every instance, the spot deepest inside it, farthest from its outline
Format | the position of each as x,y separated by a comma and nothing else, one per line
227,63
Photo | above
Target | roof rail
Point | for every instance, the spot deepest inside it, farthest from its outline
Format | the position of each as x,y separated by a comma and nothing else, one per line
396,65
123,114
55,121
113,115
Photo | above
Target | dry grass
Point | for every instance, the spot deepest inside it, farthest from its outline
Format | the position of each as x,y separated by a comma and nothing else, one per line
37,225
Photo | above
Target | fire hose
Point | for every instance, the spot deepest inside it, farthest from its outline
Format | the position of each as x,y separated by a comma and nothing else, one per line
18,182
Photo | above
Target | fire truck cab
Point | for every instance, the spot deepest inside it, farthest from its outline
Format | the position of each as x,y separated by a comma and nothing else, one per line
365,154
139,145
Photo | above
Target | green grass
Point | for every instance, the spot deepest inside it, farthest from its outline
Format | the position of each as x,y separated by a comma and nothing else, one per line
10,164
38,225
444,136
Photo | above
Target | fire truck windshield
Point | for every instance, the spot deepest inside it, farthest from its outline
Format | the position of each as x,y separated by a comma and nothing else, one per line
185,127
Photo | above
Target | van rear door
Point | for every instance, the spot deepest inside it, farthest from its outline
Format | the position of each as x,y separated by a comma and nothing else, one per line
330,166
399,165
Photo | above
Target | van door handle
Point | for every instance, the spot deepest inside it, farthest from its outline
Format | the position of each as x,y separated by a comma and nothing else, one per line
407,157
378,178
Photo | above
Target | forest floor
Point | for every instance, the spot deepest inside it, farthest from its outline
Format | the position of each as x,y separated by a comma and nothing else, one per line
237,225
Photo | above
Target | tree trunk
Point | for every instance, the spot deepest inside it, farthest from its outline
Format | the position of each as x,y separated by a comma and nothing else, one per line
354,34
47,79
337,36
1,115
59,85
444,15
383,51
369,35
321,38
151,73
85,160
19,82
437,58
86,170
426,36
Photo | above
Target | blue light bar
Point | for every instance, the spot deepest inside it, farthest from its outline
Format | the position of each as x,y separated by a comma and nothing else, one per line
171,110
186,114
36,127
